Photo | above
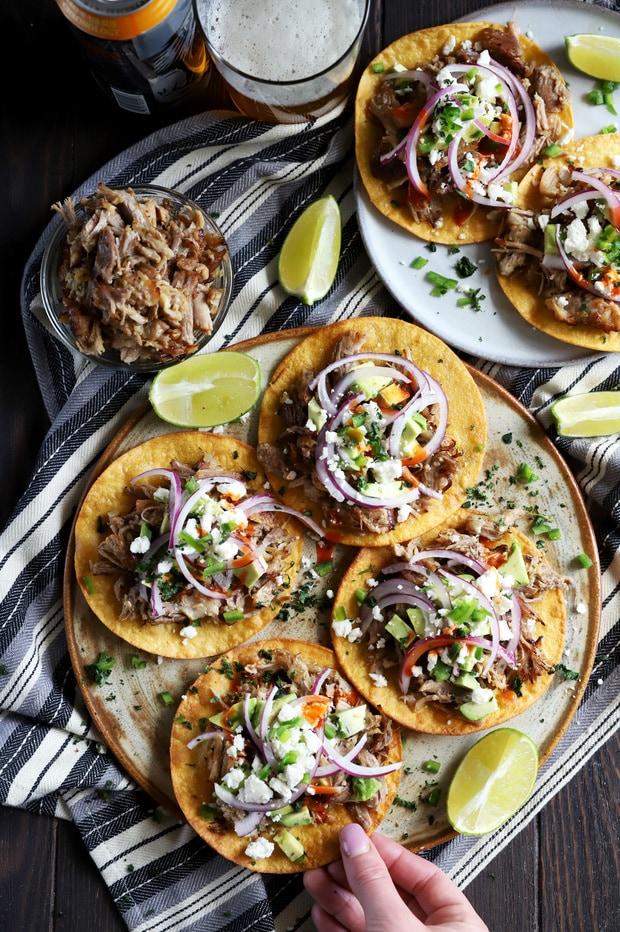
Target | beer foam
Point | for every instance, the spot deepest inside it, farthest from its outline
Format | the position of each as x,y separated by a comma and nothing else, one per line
281,40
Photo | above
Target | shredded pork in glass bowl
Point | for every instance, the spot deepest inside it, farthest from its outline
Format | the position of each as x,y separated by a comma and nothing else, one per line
135,277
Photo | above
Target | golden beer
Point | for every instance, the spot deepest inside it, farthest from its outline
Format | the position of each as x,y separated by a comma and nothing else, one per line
284,61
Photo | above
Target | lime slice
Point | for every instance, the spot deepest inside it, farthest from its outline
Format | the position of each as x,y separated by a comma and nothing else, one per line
591,415
596,55
492,782
206,391
309,256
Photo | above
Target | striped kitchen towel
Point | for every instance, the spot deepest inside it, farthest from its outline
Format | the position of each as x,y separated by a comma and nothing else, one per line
256,179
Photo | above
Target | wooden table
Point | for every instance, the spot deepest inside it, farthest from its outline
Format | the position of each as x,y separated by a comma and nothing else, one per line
561,872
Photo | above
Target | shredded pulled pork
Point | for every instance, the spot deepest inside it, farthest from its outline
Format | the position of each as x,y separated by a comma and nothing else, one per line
138,275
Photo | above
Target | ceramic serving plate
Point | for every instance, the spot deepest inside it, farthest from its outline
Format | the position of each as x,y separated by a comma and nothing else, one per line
135,723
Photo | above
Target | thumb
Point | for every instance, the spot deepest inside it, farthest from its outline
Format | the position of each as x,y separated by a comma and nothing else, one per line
370,881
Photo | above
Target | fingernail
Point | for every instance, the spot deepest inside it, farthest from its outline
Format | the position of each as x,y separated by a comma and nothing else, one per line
354,840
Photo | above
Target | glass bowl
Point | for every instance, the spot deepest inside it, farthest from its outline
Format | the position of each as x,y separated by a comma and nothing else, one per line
57,312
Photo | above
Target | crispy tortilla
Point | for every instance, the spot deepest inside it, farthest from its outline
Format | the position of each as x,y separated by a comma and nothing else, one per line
193,785
414,51
466,419
436,717
108,495
523,291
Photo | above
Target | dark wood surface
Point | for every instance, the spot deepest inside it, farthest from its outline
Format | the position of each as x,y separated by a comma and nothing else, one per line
561,872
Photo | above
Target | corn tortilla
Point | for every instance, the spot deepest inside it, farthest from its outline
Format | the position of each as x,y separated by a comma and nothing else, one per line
108,495
413,51
466,418
192,785
437,717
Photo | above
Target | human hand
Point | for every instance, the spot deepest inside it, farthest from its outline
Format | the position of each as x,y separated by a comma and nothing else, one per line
379,886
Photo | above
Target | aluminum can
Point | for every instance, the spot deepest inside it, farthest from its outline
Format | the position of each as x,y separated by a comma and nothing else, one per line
148,55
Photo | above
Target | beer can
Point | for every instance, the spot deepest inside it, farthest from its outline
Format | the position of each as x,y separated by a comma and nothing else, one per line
148,55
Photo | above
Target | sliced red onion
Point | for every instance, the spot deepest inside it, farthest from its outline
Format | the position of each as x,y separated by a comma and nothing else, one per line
249,727
175,496
189,576
263,728
319,681
204,736
267,503
516,624
461,183
610,196
430,576
326,770
453,556
356,770
157,604
529,119
246,825
568,202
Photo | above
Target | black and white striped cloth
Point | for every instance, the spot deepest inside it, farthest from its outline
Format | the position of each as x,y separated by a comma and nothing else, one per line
256,178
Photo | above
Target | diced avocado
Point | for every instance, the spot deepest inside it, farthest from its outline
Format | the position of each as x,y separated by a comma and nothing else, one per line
414,425
290,846
371,385
416,618
390,489
468,663
279,702
550,245
441,671
477,710
467,681
515,565
282,811
364,788
511,188
316,413
350,721
251,572
257,712
232,717
302,817
399,630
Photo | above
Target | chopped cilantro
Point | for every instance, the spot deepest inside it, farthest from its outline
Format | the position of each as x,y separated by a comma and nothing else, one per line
464,267
101,669
472,298
564,672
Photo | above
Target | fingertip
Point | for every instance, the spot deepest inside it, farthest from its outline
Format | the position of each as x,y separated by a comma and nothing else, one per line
353,840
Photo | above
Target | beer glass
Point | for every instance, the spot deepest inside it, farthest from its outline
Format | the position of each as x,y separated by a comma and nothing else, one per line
284,61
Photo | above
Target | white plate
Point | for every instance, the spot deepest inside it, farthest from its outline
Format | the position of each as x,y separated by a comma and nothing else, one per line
497,332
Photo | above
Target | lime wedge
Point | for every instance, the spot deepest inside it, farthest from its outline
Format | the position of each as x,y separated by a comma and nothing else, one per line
493,781
309,256
206,391
593,414
595,55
